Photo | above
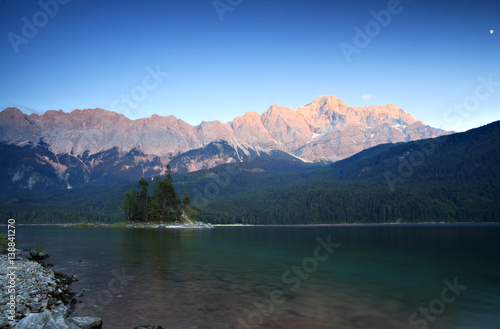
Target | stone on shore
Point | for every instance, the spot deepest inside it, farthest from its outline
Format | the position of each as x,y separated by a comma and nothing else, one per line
43,297
86,322
57,319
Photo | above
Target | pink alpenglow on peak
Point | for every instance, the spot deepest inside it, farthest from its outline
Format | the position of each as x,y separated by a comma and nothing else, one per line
326,128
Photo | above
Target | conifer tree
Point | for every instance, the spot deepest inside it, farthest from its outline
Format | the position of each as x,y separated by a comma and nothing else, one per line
186,200
162,205
143,200
130,205
165,203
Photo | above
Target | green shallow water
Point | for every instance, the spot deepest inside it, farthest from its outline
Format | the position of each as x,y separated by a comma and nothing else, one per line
228,277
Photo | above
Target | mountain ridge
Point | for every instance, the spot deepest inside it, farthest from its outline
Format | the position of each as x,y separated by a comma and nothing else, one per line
304,124
454,179
325,129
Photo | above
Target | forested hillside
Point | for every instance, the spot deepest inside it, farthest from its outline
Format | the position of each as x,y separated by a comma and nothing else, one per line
450,178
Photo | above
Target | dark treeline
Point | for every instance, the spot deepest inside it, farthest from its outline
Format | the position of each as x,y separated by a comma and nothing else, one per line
87,204
452,178
353,202
162,205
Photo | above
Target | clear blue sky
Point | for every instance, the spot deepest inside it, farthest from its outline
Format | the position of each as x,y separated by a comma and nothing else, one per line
93,53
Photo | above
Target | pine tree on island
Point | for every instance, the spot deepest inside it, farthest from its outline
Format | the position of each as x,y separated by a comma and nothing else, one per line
163,205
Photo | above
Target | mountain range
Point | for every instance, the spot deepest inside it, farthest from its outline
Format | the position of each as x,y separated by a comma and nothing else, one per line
59,149
452,178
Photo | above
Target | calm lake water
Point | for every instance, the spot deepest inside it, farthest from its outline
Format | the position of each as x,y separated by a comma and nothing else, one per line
282,277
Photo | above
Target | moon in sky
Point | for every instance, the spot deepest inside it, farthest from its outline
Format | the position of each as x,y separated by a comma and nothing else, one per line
491,31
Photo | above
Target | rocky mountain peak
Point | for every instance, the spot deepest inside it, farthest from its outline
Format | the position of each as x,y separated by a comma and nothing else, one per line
252,115
324,106
277,108
328,101
12,112
326,128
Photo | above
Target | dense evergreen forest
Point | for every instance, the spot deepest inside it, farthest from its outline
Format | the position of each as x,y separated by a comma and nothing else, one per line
453,178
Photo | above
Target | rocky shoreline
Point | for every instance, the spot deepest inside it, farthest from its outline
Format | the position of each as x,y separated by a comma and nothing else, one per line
43,297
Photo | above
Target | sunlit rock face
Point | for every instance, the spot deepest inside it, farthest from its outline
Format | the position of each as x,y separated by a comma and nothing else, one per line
327,128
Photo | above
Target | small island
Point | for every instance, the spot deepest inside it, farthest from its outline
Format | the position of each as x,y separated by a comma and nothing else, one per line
163,206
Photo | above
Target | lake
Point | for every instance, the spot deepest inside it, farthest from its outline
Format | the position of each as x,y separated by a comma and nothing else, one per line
301,277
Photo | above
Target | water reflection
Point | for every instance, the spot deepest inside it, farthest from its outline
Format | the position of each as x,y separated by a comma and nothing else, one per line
213,278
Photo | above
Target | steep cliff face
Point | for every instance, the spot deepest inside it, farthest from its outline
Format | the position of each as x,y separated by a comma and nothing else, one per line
289,128
98,130
340,131
327,128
